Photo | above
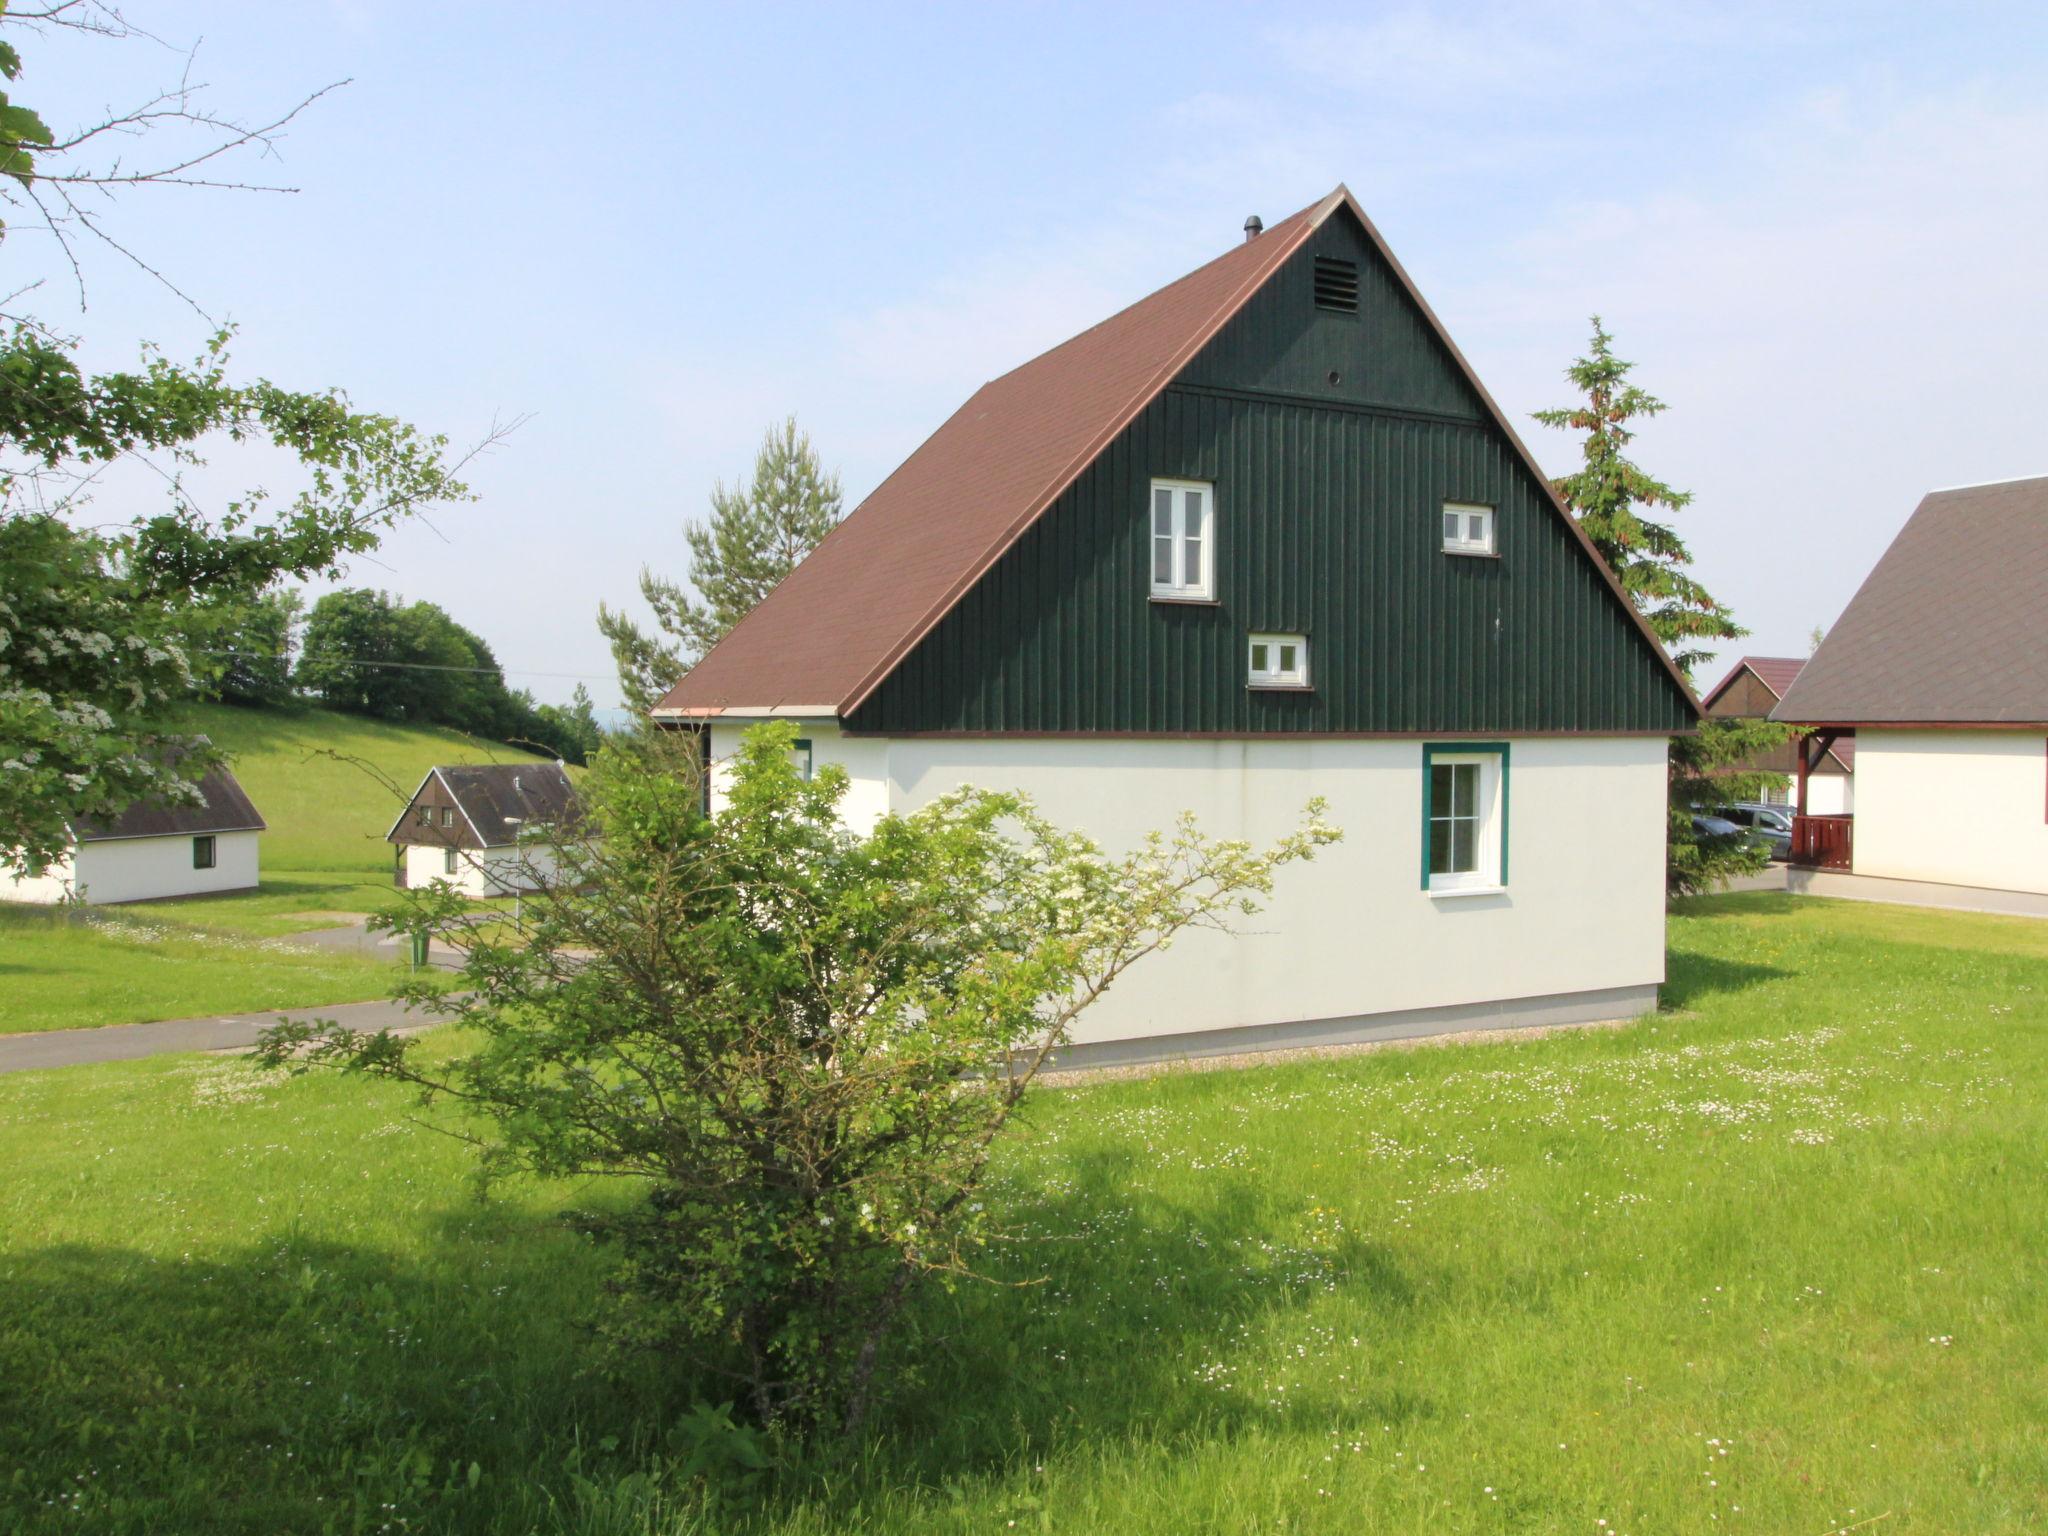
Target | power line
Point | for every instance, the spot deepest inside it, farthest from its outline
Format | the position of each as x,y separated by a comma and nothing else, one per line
413,666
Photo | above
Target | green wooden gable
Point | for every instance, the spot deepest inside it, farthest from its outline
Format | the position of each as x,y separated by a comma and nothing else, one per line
1333,440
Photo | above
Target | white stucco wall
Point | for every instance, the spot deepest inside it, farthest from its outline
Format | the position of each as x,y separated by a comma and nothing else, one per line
143,869
1829,794
47,889
1958,807
1353,933
491,872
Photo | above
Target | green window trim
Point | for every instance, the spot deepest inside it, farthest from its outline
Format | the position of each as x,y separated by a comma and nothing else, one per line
1430,751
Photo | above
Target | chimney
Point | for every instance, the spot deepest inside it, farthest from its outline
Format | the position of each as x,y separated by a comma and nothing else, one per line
1254,227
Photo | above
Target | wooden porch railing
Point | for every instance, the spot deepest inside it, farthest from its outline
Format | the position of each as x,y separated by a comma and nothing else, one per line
1823,842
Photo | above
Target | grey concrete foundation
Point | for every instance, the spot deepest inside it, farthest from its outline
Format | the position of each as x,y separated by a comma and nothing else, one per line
1594,1007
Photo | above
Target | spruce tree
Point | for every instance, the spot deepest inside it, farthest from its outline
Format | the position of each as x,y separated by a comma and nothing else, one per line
1617,504
753,538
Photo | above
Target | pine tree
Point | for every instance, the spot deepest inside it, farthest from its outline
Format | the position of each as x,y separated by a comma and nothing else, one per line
754,537
1615,502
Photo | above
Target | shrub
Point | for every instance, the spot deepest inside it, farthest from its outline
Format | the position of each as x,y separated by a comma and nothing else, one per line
797,1044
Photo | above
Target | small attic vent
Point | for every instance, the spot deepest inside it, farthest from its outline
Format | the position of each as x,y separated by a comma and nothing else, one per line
1336,284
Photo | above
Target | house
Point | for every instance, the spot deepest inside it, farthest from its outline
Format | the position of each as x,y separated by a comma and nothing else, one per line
482,827
1261,536
1938,670
151,851
1751,690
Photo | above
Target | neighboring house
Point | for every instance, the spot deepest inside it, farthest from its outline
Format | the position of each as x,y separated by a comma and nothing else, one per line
1751,691
483,828
1939,671
1261,536
151,851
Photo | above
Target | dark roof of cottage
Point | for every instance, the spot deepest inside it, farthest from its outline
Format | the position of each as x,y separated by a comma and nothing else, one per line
227,809
498,799
1949,627
1776,673
829,634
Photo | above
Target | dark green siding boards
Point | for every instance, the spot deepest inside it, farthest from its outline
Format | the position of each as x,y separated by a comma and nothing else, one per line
1328,503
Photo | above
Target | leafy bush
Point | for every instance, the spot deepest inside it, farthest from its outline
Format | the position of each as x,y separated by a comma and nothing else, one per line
798,1043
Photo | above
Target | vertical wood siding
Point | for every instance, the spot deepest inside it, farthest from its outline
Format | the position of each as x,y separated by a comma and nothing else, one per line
1328,523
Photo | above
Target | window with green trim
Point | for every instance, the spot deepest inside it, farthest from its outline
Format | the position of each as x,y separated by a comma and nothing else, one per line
1464,817
800,756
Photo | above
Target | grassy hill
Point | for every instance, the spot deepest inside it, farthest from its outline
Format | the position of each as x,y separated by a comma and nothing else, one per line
330,784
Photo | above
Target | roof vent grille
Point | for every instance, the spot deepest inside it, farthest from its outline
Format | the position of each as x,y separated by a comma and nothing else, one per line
1337,284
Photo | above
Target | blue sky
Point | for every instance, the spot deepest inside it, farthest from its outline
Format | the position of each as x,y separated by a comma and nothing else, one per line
653,229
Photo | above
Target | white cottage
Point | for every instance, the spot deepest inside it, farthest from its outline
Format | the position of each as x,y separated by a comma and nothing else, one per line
1259,537
1938,671
483,827
153,851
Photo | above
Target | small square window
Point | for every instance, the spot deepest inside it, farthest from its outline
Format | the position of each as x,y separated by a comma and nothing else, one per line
447,815
424,816
1468,529
202,853
1182,540
1278,661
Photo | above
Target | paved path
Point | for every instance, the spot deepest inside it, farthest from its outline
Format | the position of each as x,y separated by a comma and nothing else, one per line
221,1032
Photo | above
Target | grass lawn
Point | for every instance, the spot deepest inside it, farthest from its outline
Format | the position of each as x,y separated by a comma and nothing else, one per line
127,965
1770,1261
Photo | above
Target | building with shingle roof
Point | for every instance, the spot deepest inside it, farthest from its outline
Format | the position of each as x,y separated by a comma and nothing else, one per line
484,828
1938,672
154,850
1750,691
1260,536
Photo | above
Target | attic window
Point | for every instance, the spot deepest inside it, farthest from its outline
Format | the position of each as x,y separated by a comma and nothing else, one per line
1468,529
1337,284
1278,661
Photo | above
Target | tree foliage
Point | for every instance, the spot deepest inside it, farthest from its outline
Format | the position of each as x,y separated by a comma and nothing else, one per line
795,1044
368,653
754,537
95,615
1617,504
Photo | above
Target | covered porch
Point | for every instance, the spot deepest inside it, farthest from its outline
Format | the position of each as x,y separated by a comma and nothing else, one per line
1819,841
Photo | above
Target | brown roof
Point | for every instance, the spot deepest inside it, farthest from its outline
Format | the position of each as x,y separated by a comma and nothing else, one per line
498,799
1948,628
828,635
227,809
1776,673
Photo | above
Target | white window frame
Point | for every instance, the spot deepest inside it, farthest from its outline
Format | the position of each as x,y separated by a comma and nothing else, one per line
1463,543
1487,874
1204,536
1272,674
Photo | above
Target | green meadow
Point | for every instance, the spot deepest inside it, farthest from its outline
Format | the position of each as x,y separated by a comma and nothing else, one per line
1769,1261
324,783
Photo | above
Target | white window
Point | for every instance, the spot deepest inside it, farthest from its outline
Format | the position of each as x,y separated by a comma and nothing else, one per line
1464,820
1183,539
447,815
800,758
1468,530
1278,661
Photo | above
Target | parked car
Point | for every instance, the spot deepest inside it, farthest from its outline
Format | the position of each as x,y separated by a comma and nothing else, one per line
1770,824
1715,826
